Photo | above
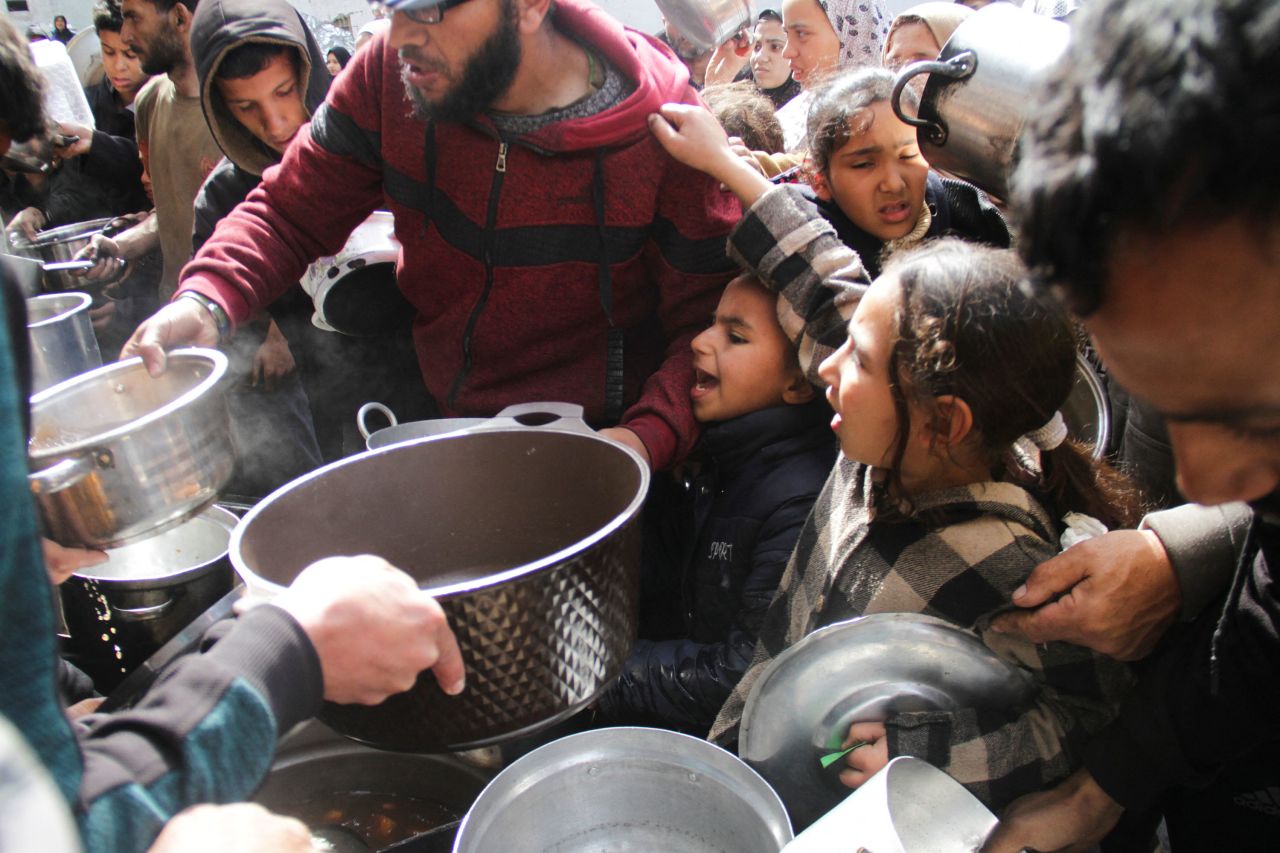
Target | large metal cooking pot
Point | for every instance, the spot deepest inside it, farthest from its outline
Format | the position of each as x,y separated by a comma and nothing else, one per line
626,789
121,611
117,455
707,23
60,245
526,531
979,92
398,433
61,337
327,781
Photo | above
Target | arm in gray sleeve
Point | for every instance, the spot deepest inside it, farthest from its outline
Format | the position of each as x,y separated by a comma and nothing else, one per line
1203,544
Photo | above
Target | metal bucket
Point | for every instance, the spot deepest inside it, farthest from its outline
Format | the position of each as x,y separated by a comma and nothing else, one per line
118,455
527,532
61,336
979,92
910,806
121,611
627,789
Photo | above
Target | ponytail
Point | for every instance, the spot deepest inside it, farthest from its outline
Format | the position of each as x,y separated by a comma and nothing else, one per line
1075,482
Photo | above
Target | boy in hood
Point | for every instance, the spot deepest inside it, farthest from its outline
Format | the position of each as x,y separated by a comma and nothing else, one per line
551,250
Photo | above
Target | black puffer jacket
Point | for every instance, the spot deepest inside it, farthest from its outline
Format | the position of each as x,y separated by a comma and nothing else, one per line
760,476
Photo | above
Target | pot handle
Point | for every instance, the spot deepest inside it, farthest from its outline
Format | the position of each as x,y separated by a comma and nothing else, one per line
142,614
65,474
363,414
958,67
536,415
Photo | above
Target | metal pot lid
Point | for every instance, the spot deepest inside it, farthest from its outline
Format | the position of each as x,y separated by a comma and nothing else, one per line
802,705
189,547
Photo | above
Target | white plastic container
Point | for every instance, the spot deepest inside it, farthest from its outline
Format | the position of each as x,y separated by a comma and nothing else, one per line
64,99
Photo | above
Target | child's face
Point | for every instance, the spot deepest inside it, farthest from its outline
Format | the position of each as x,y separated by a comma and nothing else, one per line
743,362
877,178
857,377
812,45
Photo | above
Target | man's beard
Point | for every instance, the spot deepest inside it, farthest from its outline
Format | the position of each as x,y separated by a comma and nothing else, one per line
163,54
485,78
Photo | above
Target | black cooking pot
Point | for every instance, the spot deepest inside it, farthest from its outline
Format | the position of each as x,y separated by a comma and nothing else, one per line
525,529
119,612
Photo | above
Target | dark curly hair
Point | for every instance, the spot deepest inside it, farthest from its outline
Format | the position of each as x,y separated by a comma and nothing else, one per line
1161,114
969,325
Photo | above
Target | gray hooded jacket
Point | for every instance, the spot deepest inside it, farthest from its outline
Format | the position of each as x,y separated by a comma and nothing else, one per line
219,26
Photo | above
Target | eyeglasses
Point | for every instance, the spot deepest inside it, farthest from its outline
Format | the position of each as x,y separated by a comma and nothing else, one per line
429,15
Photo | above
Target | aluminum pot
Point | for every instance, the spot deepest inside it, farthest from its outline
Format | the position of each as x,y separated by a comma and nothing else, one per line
397,433
328,782
1087,411
525,529
117,455
708,23
627,789
57,248
61,336
980,91
121,611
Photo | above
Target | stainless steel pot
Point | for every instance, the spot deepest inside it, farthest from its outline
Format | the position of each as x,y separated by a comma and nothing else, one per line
327,781
61,336
1087,410
117,455
121,611
707,23
398,433
57,245
979,92
525,529
626,789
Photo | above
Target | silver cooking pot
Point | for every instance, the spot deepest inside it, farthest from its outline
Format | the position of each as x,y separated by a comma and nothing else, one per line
117,455
56,248
525,529
121,611
707,23
626,789
61,338
980,90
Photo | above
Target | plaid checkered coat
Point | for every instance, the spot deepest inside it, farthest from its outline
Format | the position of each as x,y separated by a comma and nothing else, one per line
958,555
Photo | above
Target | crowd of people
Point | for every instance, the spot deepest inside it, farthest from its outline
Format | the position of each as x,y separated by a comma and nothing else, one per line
846,369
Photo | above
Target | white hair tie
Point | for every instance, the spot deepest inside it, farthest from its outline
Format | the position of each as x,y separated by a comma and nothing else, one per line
1051,434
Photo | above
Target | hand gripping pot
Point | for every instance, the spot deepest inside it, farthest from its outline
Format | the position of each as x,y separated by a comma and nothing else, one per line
355,291
525,529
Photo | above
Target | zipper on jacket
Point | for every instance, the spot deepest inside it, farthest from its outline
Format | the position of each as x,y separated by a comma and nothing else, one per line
491,219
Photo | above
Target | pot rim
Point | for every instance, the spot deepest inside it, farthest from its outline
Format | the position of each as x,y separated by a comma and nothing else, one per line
63,233
214,513
256,582
82,300
188,397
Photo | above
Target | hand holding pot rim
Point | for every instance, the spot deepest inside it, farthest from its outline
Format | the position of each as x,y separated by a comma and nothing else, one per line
372,628
180,323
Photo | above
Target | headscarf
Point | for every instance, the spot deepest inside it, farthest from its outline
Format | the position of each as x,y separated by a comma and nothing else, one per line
861,26
344,56
941,19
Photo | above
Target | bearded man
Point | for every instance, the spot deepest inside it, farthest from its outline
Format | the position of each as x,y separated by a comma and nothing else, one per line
551,249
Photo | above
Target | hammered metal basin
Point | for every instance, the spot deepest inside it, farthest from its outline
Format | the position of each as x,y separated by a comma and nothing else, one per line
527,536
865,669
